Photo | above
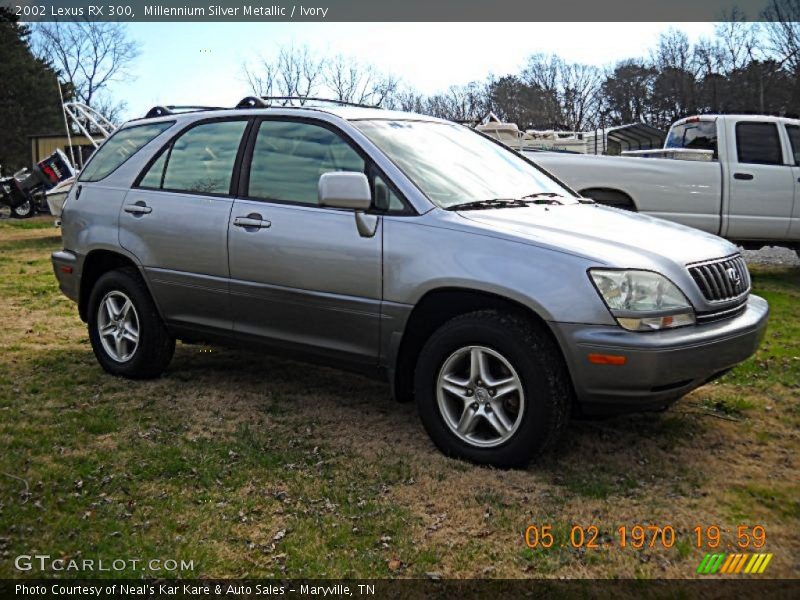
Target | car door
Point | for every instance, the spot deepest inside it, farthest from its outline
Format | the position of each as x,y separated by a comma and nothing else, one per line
302,277
175,221
761,184
793,132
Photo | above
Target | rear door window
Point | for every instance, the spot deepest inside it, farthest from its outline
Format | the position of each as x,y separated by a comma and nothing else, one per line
794,138
119,148
758,143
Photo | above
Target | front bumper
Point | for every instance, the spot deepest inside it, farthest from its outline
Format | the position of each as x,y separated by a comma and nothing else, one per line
66,268
660,367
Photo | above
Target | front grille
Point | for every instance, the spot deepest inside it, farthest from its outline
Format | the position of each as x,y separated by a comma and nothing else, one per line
729,313
722,278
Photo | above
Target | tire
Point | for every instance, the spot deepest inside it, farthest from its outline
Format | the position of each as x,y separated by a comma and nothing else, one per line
611,198
23,211
146,357
518,352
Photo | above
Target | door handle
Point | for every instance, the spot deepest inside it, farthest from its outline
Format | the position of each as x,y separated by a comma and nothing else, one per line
252,221
139,208
745,176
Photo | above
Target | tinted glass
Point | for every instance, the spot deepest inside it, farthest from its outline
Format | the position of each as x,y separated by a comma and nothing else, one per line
202,159
451,164
385,198
153,177
794,137
119,148
701,135
289,157
758,143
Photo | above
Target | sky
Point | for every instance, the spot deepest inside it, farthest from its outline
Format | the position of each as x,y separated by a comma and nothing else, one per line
201,63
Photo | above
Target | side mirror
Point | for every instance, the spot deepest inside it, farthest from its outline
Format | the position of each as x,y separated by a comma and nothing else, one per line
344,189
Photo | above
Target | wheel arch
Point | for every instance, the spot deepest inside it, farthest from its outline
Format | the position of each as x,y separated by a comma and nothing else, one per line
95,265
611,197
435,308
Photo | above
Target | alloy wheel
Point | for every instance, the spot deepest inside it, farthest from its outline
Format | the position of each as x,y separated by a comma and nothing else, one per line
118,326
480,396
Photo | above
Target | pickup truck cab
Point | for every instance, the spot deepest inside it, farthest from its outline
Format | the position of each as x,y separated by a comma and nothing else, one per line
737,176
404,247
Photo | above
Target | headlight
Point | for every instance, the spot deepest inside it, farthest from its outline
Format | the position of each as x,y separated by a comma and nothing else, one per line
642,300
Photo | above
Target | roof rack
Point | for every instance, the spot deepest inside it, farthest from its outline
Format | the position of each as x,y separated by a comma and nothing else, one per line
162,111
267,101
253,102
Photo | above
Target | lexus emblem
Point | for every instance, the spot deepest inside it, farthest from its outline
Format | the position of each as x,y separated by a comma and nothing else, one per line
734,277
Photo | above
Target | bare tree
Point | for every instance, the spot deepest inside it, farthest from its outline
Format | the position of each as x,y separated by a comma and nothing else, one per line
299,73
88,55
293,72
408,100
675,87
464,103
543,72
673,51
569,93
783,31
351,81
737,42
580,89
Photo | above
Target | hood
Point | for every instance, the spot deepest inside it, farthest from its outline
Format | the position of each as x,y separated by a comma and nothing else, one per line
610,236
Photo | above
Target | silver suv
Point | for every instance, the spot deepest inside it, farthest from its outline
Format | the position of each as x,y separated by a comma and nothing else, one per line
401,246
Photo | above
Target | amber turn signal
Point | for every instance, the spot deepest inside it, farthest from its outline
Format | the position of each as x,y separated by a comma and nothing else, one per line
607,359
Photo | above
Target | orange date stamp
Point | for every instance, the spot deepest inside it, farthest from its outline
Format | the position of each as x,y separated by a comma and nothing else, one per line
643,536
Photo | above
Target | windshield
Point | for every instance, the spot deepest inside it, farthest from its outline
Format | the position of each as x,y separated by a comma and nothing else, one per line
454,165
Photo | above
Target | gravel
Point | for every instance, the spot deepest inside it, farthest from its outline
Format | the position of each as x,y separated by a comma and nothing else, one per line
772,255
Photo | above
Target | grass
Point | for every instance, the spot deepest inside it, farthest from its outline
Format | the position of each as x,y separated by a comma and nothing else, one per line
249,467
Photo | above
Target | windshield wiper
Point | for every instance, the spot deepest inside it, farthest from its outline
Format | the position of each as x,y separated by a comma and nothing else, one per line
543,198
547,198
490,203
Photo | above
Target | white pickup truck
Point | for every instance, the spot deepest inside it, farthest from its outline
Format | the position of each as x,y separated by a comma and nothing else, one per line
737,176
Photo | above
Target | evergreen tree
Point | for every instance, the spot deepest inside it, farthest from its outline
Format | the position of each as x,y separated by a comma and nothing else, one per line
29,101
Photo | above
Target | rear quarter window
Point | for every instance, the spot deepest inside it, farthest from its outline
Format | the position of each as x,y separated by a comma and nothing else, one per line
119,148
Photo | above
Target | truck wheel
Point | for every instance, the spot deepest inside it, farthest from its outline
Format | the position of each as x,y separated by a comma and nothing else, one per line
492,388
23,211
127,334
611,198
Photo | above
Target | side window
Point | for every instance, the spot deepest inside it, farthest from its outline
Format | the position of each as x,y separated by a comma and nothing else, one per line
384,198
119,148
794,138
758,143
289,157
201,160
